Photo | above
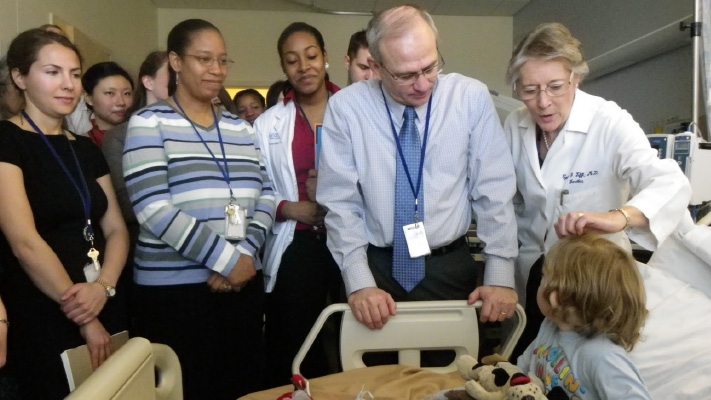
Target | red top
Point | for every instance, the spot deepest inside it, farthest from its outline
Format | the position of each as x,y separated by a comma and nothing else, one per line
95,134
303,149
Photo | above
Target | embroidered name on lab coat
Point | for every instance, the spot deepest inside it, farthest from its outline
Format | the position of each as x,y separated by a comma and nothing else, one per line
578,177
274,138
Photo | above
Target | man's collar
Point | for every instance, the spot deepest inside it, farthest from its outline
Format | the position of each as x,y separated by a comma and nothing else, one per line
398,109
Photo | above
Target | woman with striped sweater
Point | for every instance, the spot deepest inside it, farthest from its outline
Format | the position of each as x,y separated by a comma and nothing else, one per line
202,196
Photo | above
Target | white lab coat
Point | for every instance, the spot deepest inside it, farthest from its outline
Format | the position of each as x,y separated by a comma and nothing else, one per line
601,160
275,130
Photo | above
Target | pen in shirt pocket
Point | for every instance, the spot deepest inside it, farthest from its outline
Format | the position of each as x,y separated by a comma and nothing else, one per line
562,195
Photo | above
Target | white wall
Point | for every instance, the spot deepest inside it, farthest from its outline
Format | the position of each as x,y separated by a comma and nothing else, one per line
652,90
474,46
127,28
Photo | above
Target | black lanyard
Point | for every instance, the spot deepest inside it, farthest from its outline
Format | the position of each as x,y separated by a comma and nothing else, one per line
82,189
415,189
225,170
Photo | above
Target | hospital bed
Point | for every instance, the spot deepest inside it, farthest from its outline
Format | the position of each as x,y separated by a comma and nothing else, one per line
674,355
418,326
138,370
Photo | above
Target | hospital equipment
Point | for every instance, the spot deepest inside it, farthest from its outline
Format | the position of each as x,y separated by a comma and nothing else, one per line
663,143
693,155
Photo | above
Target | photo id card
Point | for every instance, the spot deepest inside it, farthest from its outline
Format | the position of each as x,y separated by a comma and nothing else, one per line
92,271
416,240
235,222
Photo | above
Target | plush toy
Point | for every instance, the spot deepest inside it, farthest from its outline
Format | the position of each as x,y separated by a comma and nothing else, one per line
531,391
491,379
496,379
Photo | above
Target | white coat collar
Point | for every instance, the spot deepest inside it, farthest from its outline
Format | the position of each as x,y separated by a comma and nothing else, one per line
580,117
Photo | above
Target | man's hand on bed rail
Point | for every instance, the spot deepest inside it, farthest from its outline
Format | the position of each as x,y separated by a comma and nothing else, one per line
499,302
372,306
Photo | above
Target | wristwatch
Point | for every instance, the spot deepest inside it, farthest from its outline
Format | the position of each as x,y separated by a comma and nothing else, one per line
110,290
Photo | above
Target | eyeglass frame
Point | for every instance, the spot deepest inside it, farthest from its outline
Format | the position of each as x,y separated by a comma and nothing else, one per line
404,79
202,60
545,89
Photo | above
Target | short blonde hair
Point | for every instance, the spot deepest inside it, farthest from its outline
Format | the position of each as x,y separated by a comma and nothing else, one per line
599,289
546,42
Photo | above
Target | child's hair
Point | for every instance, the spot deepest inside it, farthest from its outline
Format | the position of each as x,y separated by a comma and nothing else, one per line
599,289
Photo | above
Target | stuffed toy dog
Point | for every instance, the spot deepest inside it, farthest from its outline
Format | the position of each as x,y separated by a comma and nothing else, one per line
496,379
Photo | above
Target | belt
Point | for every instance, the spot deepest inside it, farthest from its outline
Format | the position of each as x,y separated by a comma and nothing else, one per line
456,244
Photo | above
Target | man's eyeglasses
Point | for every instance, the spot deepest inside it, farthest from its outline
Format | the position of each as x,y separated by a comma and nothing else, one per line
553,89
411,77
207,62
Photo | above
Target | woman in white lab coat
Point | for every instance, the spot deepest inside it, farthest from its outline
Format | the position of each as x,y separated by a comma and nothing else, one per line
300,273
582,163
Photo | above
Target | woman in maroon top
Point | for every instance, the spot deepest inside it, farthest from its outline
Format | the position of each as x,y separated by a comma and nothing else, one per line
296,252
109,96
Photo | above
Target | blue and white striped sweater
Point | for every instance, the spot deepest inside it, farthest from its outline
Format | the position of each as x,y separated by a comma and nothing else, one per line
179,195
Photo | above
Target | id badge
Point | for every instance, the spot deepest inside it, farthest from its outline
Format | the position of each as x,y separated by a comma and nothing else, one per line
416,240
235,222
92,271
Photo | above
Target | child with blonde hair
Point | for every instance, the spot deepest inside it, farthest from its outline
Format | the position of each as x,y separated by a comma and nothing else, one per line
593,298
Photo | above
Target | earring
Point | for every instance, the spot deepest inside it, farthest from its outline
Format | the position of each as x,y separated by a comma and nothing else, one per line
176,79
327,65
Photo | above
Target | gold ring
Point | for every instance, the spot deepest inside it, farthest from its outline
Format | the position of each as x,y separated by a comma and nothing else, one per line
504,313
225,286
580,215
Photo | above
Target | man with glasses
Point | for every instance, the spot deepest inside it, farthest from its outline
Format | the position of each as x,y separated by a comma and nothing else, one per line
408,158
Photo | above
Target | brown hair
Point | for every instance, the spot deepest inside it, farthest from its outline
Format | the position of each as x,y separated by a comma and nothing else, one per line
358,41
277,88
25,48
150,66
599,289
547,42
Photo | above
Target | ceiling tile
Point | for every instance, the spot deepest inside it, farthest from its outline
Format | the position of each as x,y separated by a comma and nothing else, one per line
386,4
435,7
345,5
509,7
465,7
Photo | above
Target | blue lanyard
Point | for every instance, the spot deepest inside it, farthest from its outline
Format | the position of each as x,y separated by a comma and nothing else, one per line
225,170
82,189
415,189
